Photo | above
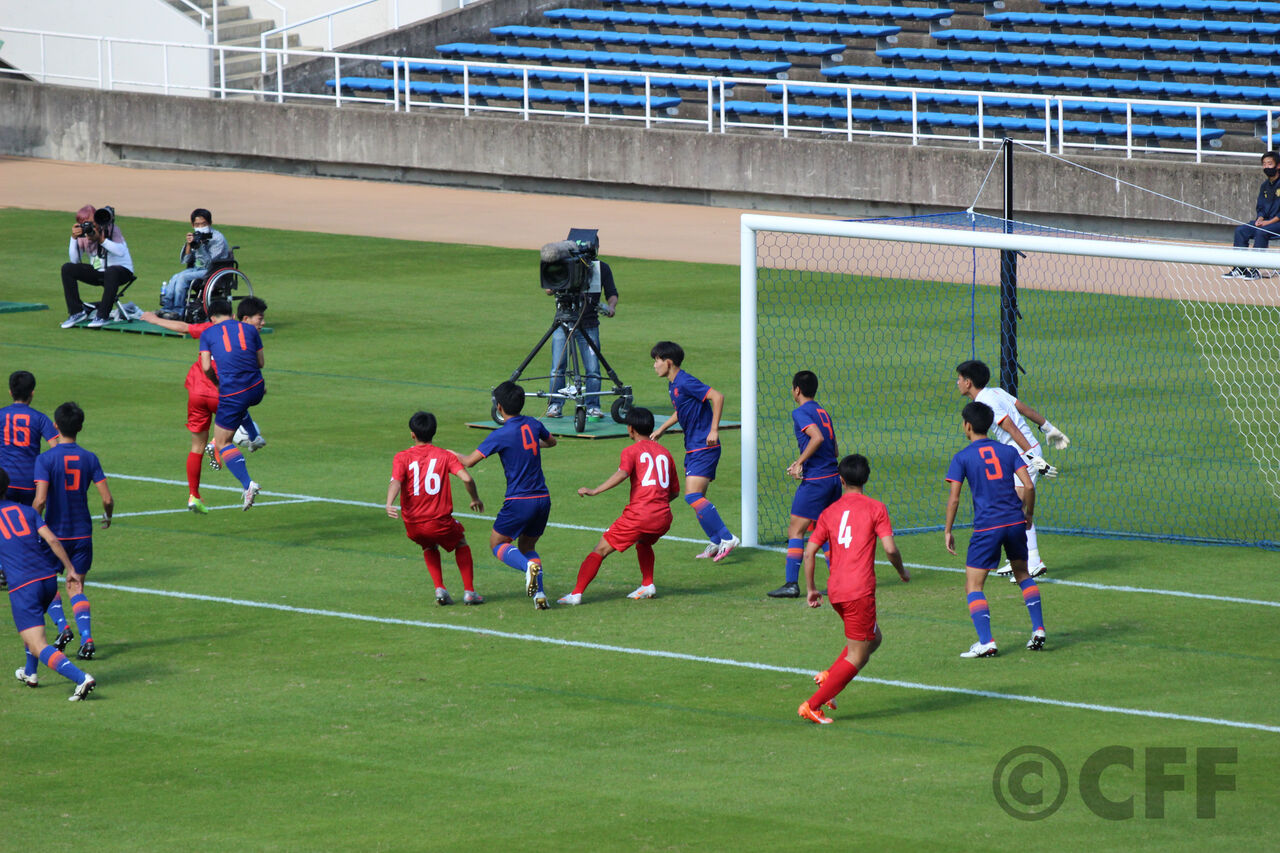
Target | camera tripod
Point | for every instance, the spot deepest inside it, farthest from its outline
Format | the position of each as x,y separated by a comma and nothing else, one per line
574,390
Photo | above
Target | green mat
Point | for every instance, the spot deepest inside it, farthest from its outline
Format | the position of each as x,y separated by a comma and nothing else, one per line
141,327
14,307
563,427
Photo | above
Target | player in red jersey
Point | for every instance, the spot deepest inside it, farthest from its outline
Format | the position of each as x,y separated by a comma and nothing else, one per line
852,525
654,484
420,479
202,396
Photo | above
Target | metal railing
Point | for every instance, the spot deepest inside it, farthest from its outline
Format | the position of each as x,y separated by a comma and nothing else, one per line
705,104
393,11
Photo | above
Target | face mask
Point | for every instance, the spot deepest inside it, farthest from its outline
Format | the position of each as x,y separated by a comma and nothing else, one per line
205,230
1271,173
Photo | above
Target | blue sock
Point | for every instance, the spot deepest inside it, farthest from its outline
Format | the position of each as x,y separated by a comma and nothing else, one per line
55,613
250,428
510,554
61,664
533,555
708,517
1031,598
233,459
80,607
795,552
981,616
32,663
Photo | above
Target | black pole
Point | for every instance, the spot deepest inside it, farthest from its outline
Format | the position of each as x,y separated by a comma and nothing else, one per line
1008,287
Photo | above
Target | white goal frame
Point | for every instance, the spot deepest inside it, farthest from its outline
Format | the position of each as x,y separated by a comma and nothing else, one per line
753,223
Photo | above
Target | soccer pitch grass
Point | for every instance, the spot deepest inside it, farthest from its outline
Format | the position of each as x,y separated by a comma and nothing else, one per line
281,680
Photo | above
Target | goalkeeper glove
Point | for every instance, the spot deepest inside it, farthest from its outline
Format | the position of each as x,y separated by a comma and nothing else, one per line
1041,467
1054,437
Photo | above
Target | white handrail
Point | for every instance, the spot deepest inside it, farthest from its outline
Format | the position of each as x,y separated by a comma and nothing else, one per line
204,16
715,90
323,16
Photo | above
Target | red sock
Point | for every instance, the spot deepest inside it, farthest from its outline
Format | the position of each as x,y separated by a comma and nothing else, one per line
587,572
194,464
838,678
432,558
644,553
465,567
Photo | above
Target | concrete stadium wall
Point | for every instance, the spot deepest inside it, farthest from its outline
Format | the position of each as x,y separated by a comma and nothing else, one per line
823,177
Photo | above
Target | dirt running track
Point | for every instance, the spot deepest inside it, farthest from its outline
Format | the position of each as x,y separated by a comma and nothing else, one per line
675,232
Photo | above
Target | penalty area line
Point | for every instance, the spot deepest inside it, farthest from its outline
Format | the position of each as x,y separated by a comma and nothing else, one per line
681,656
293,498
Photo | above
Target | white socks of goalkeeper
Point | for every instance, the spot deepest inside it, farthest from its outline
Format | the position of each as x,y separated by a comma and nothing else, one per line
1033,548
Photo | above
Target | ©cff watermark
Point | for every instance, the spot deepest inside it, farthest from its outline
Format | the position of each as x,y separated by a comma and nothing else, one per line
1031,782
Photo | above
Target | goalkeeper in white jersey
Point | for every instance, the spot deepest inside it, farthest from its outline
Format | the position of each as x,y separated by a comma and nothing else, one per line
1010,427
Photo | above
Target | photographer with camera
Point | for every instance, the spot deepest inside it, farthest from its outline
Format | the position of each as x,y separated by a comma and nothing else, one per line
99,256
204,246
583,310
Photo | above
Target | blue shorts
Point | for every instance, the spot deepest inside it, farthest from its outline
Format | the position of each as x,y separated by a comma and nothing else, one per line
30,601
232,410
813,496
26,497
702,463
523,517
985,545
80,552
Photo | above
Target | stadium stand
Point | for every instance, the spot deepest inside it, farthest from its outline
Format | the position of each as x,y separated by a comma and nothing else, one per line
1079,62
840,11
733,46
558,75
678,64
1017,102
482,93
967,121
1103,23
1208,7
1099,86
1136,44
698,24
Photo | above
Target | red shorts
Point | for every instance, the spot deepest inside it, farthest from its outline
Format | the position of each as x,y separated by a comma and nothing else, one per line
631,528
441,534
200,411
859,618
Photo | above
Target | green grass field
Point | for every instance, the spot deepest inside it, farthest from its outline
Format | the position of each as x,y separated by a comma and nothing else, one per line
281,679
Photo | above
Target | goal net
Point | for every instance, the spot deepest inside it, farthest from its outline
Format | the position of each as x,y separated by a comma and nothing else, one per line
1165,375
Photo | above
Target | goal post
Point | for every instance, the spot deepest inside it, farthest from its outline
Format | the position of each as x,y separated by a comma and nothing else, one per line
1165,373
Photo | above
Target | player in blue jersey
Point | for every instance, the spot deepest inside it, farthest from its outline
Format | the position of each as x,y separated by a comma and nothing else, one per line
1001,515
33,555
62,476
697,409
235,348
21,428
527,503
817,469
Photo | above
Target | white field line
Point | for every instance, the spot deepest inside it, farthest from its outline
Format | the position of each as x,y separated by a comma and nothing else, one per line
656,653
1200,596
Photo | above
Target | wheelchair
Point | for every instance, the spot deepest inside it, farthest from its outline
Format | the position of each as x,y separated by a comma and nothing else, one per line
225,280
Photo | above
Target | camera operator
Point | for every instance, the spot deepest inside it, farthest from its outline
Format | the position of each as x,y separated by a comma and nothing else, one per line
203,246
567,311
97,238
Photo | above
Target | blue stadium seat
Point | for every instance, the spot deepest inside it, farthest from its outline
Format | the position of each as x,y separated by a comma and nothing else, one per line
1117,22
700,23
732,46
969,121
1017,102
597,77
509,93
1132,44
677,64
1084,63
1222,7
1100,86
792,7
